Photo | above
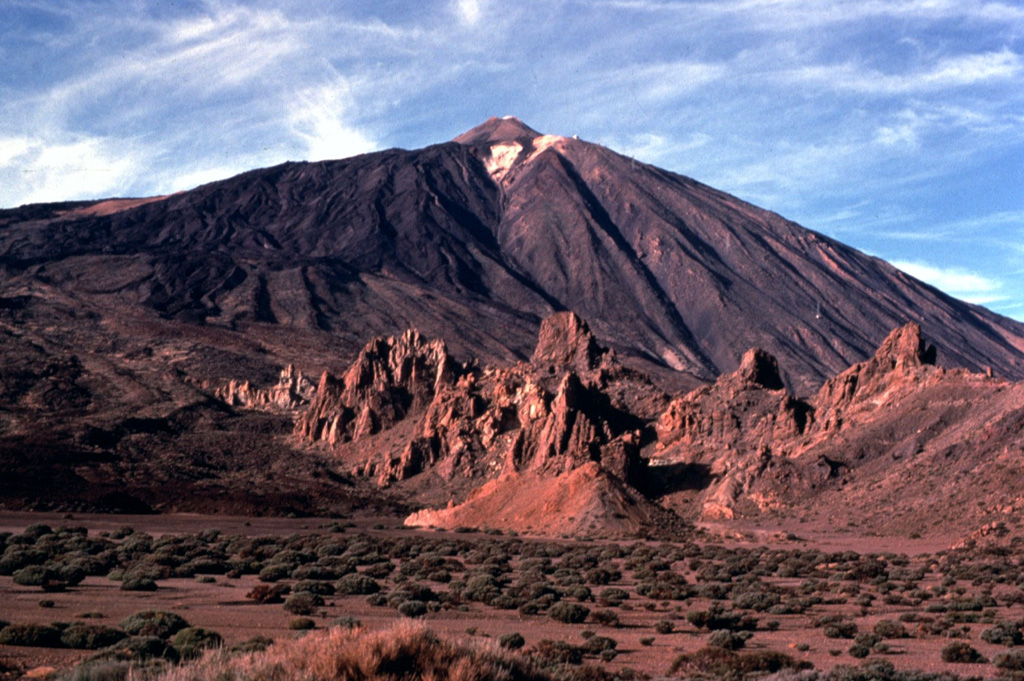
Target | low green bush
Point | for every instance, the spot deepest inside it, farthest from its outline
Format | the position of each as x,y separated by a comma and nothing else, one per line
83,636
154,623
32,635
256,644
190,642
269,593
568,613
840,629
730,640
664,627
1012,661
356,584
960,651
412,608
726,664
35,575
890,629
303,603
1005,634
512,641
140,649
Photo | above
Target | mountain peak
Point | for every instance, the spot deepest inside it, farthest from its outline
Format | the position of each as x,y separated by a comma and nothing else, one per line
499,130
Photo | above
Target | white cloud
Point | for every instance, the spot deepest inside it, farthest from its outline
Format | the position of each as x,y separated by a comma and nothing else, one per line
904,135
957,282
651,147
948,72
469,11
45,170
318,118
789,15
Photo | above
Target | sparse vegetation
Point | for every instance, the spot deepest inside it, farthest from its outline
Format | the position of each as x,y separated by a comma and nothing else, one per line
667,589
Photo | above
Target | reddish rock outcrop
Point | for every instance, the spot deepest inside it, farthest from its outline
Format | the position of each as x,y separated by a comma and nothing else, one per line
415,414
586,500
544,418
565,340
724,436
292,391
392,377
896,364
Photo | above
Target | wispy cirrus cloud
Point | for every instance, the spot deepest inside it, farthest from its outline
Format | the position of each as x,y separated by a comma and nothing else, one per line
958,282
948,72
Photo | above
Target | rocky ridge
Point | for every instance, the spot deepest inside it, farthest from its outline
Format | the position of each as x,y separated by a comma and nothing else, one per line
542,421
549,446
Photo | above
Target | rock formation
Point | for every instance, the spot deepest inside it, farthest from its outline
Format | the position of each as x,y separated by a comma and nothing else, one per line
728,433
898,360
292,391
392,377
565,340
538,421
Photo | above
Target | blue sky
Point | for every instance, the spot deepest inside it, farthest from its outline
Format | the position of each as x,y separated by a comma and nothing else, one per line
896,127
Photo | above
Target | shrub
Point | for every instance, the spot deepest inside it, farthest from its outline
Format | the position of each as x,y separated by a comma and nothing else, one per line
613,595
34,635
410,591
1010,661
301,624
647,641
34,575
721,663
1003,634
267,593
859,651
274,573
717,617
959,651
557,653
596,644
190,642
412,608
569,613
303,603
580,593
730,640
135,582
256,644
513,641
841,629
890,629
90,636
867,639
356,584
346,622
315,572
756,600
315,587
140,649
482,588
153,623
606,617
664,627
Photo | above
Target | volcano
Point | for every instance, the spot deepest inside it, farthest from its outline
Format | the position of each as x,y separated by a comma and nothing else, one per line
120,320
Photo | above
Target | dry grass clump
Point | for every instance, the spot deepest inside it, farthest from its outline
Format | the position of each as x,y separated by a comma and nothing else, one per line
405,651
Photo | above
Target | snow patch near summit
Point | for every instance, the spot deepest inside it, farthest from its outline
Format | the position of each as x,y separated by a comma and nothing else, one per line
545,142
502,157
